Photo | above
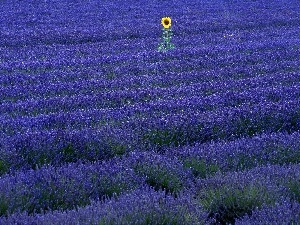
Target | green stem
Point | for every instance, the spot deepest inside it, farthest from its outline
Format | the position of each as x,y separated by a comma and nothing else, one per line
165,45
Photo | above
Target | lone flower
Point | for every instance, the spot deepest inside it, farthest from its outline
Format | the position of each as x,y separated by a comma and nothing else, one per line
166,22
167,35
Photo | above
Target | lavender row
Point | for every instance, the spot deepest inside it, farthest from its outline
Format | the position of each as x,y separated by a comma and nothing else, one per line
77,117
166,79
56,147
247,13
160,78
284,212
94,118
80,119
233,195
89,21
142,206
114,74
191,126
68,23
117,71
158,130
83,53
74,185
239,155
78,55
141,101
59,146
225,197
64,187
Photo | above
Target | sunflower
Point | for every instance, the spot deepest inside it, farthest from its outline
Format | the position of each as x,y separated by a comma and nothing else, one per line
166,22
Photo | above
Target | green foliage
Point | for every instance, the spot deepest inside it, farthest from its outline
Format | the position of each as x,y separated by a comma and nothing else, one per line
4,167
285,155
208,92
111,75
174,137
226,204
35,157
93,151
108,187
246,127
295,120
69,154
151,217
117,149
51,197
218,131
245,162
42,159
166,44
3,205
163,138
105,221
160,177
294,189
200,168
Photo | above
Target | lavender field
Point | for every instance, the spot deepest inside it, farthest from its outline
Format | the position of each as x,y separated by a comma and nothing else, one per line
97,126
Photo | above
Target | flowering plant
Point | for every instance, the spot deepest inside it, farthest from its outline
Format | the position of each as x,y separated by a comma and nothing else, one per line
167,35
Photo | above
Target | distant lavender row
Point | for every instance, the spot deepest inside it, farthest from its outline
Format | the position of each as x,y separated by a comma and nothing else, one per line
174,98
92,118
208,56
78,18
68,23
93,84
52,54
214,44
96,71
247,14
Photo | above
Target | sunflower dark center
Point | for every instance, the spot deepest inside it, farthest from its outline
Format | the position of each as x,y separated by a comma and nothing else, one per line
166,22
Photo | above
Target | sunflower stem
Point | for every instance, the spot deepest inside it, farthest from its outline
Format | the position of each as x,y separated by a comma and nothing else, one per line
165,44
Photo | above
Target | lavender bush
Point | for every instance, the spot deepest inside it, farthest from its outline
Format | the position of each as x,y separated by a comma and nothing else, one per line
284,212
146,207
234,195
